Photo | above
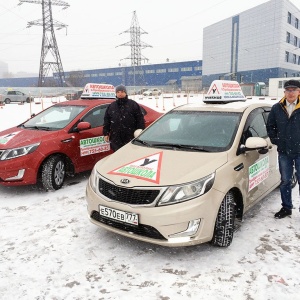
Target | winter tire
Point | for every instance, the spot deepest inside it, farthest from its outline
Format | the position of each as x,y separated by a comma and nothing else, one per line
53,173
224,226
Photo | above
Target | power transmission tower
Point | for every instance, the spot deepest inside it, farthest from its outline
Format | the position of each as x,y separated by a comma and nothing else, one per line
136,50
49,44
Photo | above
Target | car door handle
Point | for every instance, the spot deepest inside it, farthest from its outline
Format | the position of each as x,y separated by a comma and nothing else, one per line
239,167
68,140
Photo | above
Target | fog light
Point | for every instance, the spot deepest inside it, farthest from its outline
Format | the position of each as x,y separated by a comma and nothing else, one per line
191,230
17,177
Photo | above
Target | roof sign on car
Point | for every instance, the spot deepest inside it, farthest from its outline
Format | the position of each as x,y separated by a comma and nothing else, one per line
224,91
98,90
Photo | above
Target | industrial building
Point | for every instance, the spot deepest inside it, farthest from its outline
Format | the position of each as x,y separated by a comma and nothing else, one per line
253,46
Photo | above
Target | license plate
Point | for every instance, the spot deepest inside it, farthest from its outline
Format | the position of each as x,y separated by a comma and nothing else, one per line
119,215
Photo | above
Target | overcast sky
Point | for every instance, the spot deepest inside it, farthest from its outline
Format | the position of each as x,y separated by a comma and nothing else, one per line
96,29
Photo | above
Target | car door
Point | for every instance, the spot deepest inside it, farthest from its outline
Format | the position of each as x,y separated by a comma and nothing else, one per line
19,97
89,144
261,170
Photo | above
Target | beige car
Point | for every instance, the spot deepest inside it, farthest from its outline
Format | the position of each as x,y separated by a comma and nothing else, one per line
189,177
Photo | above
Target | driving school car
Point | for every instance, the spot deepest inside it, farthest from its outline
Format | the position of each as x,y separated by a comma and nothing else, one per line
65,139
191,175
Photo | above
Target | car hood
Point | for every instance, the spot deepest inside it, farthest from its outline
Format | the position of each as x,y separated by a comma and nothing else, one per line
18,137
144,166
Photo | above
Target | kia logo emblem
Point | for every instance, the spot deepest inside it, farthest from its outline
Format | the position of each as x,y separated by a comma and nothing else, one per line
125,180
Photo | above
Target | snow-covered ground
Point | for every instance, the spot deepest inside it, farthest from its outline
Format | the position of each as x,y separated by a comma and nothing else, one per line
50,250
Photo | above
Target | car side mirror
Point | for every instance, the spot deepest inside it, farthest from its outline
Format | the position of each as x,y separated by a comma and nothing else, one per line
83,126
255,143
137,132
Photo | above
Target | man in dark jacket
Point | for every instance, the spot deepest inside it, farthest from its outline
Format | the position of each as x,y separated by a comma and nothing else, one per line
121,119
283,128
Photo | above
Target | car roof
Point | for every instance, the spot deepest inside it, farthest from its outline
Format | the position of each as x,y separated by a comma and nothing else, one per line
228,107
86,102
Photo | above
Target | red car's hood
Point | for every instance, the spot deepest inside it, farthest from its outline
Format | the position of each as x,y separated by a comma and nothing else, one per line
18,137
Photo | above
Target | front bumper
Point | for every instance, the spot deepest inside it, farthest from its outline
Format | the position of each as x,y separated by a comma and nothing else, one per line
171,225
19,171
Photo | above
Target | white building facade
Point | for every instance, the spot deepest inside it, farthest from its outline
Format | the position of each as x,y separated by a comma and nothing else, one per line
253,46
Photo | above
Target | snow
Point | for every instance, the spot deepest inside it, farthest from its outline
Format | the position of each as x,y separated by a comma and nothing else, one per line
50,250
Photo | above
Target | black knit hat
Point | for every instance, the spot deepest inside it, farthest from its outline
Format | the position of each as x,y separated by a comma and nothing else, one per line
292,84
121,88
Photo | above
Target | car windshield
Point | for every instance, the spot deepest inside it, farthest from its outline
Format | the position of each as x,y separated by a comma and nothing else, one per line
192,131
54,118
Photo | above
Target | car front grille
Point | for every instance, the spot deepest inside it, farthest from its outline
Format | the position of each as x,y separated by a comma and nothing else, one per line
142,230
126,195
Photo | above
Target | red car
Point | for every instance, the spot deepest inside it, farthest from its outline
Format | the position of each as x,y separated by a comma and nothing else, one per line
64,139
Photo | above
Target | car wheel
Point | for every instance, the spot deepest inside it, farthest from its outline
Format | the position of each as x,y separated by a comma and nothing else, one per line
294,179
224,226
53,173
7,101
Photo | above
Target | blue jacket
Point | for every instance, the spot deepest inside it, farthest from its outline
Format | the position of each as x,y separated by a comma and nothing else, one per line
284,131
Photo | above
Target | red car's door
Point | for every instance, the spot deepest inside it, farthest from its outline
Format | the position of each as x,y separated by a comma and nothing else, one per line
88,146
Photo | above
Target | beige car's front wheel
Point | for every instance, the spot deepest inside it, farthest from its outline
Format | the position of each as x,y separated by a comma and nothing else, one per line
224,226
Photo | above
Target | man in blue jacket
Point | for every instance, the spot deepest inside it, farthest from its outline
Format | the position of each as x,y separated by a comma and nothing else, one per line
283,128
121,119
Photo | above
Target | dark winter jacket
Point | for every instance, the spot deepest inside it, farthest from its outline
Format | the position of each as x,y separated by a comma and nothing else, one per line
284,131
121,119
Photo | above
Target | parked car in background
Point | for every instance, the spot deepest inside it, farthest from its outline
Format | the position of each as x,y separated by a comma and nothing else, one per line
15,96
64,139
152,92
190,177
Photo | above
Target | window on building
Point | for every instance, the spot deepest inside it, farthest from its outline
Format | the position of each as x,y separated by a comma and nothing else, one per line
161,71
186,69
288,37
197,68
173,70
289,18
298,60
118,73
287,54
101,74
295,41
94,75
110,74
150,71
87,75
280,85
294,58
296,23
285,74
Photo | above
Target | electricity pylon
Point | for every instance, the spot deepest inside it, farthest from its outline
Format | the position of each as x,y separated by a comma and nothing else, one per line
49,44
136,45
135,42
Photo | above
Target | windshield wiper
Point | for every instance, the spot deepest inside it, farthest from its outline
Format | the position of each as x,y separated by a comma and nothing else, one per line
142,142
38,127
180,146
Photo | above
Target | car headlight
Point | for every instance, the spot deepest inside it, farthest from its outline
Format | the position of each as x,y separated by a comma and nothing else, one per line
181,193
94,179
17,152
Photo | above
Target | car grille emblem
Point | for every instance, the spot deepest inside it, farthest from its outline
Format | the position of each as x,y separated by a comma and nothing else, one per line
125,180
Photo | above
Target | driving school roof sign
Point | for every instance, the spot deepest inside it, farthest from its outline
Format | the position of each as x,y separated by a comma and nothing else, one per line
223,91
96,90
